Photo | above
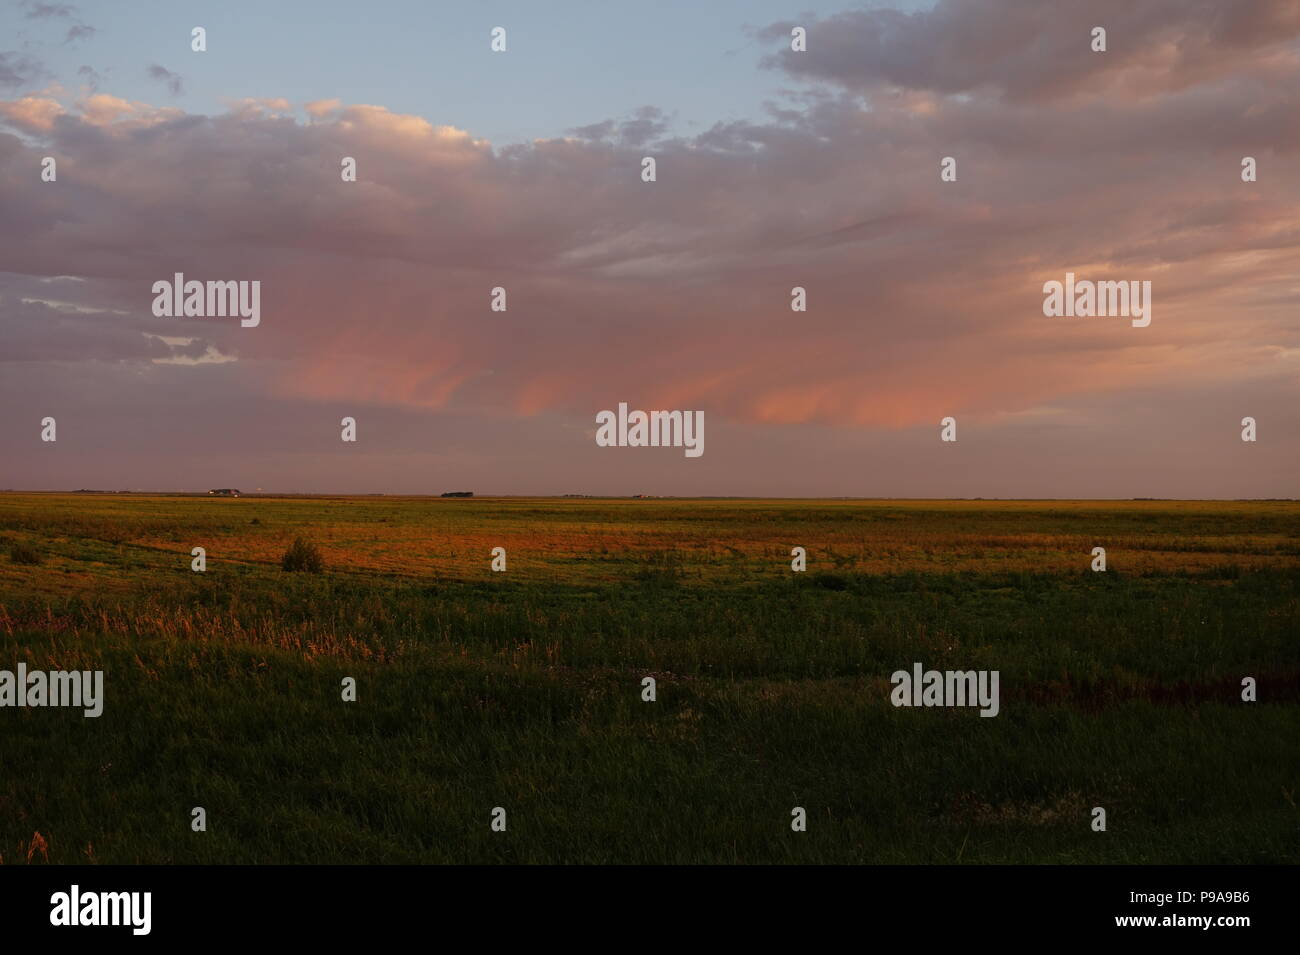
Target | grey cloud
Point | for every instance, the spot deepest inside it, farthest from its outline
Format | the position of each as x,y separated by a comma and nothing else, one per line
646,125
79,31
1038,50
48,11
17,69
164,75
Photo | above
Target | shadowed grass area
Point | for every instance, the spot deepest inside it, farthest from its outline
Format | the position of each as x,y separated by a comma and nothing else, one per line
523,689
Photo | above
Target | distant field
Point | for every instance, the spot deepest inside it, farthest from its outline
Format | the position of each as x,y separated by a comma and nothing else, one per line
523,689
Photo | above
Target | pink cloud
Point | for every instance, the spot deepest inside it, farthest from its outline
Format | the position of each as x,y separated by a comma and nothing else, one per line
924,297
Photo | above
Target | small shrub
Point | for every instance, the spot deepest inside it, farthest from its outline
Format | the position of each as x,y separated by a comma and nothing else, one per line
21,553
302,555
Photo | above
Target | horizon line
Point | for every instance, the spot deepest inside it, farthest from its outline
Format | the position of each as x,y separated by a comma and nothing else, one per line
448,496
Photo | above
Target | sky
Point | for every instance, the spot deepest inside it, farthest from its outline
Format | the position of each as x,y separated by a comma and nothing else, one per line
775,169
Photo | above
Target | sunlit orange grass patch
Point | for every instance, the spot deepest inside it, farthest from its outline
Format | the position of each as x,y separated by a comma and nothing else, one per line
427,540
61,577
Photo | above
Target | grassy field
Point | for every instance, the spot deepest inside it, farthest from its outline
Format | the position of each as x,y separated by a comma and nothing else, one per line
522,689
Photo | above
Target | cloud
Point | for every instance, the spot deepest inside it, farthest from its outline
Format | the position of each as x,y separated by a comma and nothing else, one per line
256,106
31,114
19,70
164,75
647,125
922,302
79,31
121,116
36,10
40,327
48,11
1041,51
320,109
92,77
924,297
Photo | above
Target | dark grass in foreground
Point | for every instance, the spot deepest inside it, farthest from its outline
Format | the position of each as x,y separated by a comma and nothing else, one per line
522,689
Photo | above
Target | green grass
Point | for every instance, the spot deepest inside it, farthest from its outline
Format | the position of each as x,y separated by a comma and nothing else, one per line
523,689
